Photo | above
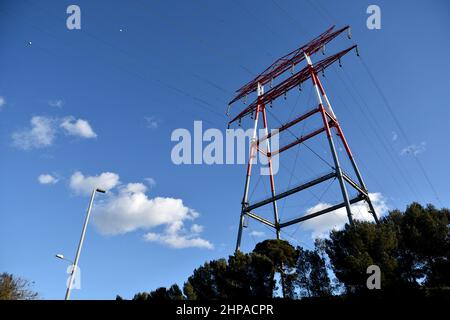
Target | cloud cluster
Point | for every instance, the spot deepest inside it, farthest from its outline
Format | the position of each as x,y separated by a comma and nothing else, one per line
77,127
47,179
43,131
413,149
176,236
321,226
41,134
128,208
84,185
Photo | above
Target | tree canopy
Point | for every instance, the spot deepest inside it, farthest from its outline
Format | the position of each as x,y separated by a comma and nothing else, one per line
411,249
15,288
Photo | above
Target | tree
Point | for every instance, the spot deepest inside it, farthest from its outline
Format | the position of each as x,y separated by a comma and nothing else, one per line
423,244
356,247
411,249
15,288
189,291
207,281
284,257
241,276
312,278
438,273
160,294
250,276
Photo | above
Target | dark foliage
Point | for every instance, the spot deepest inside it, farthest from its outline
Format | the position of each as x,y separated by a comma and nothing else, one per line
15,288
411,248
312,278
160,294
242,276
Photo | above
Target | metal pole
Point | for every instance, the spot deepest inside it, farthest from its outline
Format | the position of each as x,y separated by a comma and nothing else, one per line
80,244
249,170
330,140
349,152
272,181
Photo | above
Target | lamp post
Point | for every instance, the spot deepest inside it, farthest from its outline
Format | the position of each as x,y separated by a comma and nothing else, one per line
77,256
60,256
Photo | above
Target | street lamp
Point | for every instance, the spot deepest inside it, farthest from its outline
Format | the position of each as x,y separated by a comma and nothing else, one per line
77,256
60,256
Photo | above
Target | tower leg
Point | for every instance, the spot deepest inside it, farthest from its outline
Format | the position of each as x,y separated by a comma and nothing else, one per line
239,237
358,173
372,210
337,165
340,133
272,181
247,178
360,179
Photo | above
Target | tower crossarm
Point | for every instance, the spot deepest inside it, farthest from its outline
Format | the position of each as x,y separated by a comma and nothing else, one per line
291,82
287,61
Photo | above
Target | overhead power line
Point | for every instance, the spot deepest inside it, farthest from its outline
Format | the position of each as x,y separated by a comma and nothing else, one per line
401,130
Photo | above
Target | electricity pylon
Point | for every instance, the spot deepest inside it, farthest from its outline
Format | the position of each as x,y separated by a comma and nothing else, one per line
330,126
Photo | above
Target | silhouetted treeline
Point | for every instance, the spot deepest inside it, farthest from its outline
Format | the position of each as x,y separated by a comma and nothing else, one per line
411,249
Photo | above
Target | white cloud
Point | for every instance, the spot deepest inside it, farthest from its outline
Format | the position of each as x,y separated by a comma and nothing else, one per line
41,134
2,102
47,179
176,236
321,226
128,208
84,185
178,241
44,130
56,103
413,149
78,127
255,233
394,136
151,123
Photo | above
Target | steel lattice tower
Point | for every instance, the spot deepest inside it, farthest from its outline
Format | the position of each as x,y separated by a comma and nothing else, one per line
330,125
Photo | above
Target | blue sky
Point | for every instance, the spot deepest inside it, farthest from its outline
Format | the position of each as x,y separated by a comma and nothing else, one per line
105,100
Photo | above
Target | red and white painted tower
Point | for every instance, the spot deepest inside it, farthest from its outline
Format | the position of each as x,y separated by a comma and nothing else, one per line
329,128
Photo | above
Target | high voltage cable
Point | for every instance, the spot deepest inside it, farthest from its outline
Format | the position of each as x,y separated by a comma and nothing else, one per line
292,19
386,102
371,120
368,138
217,53
180,91
207,106
261,21
402,131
